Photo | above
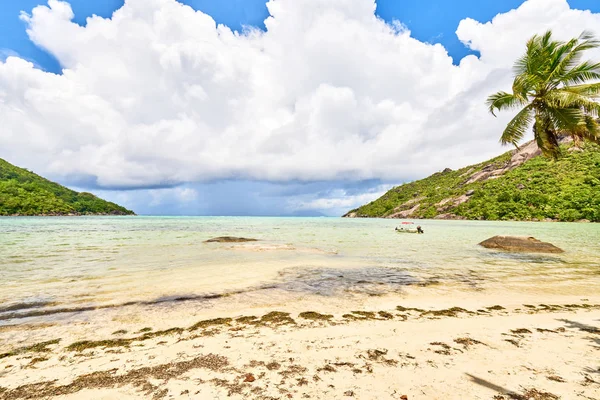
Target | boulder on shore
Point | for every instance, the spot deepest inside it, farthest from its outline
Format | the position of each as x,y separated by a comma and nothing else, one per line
229,239
520,243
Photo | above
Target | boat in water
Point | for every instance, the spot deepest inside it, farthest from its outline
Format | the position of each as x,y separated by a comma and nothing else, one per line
409,227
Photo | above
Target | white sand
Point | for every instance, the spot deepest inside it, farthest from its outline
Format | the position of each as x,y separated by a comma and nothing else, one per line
338,359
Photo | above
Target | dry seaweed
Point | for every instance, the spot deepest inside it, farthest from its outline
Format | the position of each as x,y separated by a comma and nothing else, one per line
109,379
315,316
450,312
210,323
36,348
277,318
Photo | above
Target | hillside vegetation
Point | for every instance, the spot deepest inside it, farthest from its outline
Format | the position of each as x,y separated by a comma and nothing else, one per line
518,185
25,193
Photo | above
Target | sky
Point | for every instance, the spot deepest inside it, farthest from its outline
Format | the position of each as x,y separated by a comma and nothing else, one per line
248,107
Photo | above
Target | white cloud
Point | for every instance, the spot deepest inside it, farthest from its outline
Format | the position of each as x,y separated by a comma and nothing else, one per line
338,201
187,195
159,94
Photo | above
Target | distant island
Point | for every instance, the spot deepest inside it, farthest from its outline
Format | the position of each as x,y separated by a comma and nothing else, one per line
520,185
23,193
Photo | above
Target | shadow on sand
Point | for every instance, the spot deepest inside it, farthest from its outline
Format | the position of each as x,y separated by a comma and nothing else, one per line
594,339
490,385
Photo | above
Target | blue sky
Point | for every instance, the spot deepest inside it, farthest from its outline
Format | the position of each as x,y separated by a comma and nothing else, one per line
433,21
297,190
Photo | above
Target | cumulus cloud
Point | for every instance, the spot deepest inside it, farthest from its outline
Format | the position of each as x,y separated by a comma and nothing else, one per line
338,201
160,95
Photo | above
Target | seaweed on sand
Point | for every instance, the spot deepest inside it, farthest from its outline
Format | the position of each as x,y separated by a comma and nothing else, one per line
210,323
450,312
36,348
315,316
277,318
121,342
108,379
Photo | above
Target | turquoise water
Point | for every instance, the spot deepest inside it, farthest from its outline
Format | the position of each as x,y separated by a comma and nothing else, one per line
59,266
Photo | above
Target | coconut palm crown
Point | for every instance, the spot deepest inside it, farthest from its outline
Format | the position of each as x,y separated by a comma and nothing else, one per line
551,86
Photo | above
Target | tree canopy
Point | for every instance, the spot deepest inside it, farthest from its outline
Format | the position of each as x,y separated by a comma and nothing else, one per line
24,193
552,90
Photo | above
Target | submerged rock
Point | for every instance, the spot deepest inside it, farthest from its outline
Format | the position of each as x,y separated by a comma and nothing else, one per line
229,239
520,243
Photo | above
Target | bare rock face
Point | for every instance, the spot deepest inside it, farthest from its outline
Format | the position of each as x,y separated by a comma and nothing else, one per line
521,155
405,213
229,239
520,244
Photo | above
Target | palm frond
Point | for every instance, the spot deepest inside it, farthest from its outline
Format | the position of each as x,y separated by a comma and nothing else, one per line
567,56
535,57
517,128
525,84
564,55
564,119
590,130
571,97
504,100
563,59
524,64
588,40
590,90
589,36
545,41
581,73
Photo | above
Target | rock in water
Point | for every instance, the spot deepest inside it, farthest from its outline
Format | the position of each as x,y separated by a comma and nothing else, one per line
521,244
229,239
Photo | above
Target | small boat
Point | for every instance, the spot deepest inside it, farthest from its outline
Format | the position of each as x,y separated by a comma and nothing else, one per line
409,227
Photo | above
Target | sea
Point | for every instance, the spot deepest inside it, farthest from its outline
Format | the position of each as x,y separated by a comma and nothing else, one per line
66,269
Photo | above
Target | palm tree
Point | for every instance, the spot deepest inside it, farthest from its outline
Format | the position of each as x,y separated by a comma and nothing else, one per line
550,87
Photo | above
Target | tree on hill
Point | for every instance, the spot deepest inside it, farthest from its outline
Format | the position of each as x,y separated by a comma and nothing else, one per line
551,88
24,193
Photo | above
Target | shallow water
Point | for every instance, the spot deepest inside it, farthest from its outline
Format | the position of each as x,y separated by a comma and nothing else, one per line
53,268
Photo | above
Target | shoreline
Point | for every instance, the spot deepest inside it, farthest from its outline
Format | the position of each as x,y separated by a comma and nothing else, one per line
422,348
581,221
67,215
584,221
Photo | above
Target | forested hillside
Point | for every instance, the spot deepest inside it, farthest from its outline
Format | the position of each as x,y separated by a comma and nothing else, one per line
25,193
518,185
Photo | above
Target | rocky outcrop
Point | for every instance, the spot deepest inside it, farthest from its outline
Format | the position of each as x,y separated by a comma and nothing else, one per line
520,244
405,213
520,156
229,239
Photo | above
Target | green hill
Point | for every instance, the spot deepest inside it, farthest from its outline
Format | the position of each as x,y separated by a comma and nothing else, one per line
25,193
518,185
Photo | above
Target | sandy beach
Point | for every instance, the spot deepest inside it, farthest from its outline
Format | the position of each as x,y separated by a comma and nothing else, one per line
478,346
